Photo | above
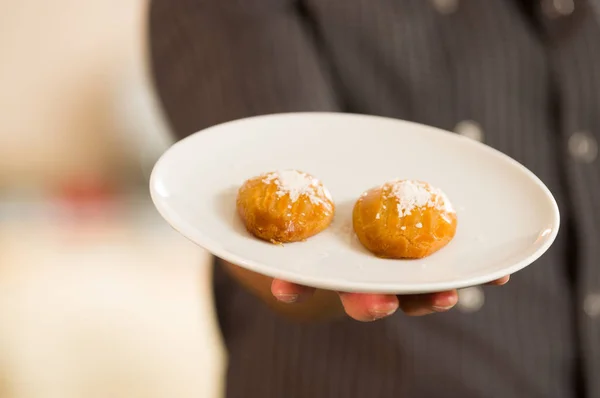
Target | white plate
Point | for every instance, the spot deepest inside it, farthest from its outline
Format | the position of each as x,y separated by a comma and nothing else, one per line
507,218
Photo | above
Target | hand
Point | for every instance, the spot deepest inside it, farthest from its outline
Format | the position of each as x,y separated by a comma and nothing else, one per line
306,303
370,307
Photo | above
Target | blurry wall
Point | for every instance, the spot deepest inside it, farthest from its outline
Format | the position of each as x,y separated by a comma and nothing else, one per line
112,305
74,93
105,310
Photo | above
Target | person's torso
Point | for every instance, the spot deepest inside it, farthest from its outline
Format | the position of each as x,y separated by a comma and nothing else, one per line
531,90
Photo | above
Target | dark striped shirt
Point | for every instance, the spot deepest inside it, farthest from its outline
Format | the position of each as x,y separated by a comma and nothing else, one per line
524,77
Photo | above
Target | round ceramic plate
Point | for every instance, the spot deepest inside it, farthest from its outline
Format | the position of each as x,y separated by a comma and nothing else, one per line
507,218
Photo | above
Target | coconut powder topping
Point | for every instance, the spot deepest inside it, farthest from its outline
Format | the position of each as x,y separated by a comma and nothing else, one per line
413,195
296,184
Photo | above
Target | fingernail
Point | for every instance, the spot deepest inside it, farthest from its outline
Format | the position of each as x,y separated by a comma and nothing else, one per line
438,308
381,313
287,298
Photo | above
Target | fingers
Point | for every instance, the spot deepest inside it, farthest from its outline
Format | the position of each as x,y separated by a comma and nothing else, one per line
288,292
499,282
424,304
362,307
368,307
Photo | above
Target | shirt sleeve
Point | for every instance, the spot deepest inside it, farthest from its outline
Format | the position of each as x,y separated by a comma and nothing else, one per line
218,60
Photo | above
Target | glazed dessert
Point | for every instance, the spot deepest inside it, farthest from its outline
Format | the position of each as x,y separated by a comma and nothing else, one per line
404,219
285,206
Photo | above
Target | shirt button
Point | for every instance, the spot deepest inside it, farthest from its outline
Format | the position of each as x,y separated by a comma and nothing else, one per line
470,299
583,147
470,129
558,8
445,6
591,305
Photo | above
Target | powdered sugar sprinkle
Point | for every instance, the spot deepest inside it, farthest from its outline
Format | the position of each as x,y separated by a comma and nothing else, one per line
413,195
296,184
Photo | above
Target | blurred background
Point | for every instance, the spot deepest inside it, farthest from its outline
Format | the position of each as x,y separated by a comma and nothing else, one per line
98,297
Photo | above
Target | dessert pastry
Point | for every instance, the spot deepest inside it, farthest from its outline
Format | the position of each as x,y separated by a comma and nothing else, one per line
404,219
285,206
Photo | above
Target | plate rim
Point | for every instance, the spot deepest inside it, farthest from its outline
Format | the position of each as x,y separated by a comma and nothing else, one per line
216,249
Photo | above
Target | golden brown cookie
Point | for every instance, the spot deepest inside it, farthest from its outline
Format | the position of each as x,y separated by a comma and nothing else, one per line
404,219
285,206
